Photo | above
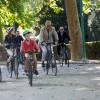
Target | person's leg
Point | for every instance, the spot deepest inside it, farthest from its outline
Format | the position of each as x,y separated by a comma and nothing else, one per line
44,54
66,54
10,53
26,64
35,61
58,49
35,64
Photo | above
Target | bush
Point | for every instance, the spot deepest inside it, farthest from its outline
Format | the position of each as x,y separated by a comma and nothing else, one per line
93,50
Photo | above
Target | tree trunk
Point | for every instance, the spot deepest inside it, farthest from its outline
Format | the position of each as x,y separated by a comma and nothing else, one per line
74,29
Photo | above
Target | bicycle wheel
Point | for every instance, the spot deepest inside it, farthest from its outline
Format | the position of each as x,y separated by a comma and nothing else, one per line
16,67
67,60
54,65
12,67
47,67
61,58
0,75
8,67
30,74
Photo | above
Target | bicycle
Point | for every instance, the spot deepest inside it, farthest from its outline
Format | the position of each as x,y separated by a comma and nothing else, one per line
50,59
63,57
30,63
13,64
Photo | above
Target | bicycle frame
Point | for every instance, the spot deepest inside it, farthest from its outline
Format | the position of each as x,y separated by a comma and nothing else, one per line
51,61
63,53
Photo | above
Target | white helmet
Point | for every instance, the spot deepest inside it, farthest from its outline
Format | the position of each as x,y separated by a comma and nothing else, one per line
9,29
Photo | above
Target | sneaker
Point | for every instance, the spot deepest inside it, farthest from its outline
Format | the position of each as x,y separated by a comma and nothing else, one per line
43,65
27,74
36,72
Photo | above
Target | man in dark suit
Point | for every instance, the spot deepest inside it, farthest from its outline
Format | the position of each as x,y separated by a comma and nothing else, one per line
63,38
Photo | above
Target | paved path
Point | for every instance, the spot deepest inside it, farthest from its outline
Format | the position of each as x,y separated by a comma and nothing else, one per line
78,82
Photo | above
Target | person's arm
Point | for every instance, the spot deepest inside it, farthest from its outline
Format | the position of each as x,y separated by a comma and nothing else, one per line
22,48
55,36
41,38
36,46
6,42
21,38
6,39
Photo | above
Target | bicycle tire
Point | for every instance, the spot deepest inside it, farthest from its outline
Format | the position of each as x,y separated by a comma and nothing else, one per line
16,67
30,75
47,67
54,66
12,68
0,75
67,60
62,58
8,67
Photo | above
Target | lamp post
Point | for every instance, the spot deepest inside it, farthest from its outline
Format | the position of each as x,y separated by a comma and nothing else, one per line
82,30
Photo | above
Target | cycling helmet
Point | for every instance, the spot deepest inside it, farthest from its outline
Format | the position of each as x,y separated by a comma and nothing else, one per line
9,29
27,31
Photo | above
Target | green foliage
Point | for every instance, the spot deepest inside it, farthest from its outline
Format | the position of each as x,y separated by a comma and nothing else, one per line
92,50
23,11
95,26
87,6
53,10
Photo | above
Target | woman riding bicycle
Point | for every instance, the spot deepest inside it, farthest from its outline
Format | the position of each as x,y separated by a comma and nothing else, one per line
10,42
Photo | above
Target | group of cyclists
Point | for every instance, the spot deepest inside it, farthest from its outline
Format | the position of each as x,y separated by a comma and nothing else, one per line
47,34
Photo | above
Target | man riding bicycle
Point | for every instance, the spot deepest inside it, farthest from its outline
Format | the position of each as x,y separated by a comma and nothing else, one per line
47,34
63,39
29,45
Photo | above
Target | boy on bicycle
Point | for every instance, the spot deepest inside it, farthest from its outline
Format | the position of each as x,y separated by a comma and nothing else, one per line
29,45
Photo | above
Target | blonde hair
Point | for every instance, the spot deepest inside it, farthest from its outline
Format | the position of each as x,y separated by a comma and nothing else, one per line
48,22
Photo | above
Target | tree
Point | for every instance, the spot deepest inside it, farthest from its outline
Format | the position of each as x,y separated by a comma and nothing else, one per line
74,29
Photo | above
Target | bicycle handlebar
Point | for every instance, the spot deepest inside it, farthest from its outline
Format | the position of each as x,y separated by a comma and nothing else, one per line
61,44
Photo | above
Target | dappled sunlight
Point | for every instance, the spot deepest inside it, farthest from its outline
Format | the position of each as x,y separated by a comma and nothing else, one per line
82,89
2,66
99,84
90,69
98,67
84,72
93,67
96,79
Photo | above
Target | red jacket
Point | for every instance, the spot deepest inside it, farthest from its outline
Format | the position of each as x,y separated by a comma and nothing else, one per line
32,46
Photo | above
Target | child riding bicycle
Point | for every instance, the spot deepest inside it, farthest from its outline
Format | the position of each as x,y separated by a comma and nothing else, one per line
29,45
